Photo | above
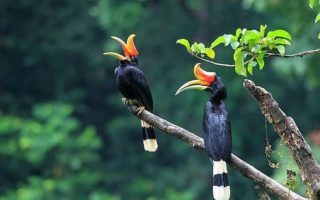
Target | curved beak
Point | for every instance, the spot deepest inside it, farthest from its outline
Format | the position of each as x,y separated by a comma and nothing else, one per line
204,80
194,84
116,55
129,48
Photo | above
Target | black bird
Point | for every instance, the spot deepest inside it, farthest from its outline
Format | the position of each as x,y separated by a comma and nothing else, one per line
134,87
216,128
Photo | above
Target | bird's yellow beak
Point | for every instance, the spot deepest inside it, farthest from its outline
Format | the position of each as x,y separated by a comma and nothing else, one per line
204,80
116,55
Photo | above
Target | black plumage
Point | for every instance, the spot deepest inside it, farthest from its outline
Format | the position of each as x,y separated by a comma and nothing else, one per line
133,85
217,137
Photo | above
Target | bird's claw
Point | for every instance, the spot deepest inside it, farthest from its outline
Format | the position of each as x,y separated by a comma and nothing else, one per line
140,110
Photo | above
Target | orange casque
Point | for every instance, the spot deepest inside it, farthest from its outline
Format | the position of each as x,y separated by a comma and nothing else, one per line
205,77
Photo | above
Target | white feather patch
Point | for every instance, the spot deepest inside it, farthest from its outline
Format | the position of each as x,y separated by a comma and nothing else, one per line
150,145
145,124
219,167
221,193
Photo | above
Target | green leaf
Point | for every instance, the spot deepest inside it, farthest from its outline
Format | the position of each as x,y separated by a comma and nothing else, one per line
238,58
282,41
317,18
260,60
235,44
311,3
263,30
279,33
253,63
185,43
210,53
319,36
250,68
195,48
252,35
227,39
201,47
217,42
281,49
256,48
238,33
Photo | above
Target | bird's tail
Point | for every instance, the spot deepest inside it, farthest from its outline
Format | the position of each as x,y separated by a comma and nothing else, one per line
149,137
221,188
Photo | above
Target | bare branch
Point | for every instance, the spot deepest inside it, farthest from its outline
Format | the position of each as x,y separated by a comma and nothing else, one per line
301,54
195,141
291,135
212,62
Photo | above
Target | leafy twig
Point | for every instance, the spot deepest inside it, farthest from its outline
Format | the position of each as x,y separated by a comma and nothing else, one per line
216,63
268,55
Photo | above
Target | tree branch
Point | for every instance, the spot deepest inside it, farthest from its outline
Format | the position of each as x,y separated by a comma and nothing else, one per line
197,142
291,135
301,54
269,55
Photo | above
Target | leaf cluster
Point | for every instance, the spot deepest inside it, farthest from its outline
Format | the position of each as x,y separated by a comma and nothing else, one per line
250,47
312,6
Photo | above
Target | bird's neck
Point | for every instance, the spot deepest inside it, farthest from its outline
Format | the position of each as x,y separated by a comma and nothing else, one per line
218,96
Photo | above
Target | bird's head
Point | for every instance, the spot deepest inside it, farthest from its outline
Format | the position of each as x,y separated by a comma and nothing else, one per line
204,80
208,81
129,49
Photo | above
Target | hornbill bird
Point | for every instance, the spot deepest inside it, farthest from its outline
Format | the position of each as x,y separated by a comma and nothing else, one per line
133,85
216,128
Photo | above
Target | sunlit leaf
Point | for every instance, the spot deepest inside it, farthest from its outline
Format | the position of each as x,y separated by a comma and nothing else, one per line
260,60
227,39
282,41
281,49
250,68
201,47
210,53
263,30
238,58
317,18
195,47
256,48
235,44
185,43
279,33
311,3
217,42
238,33
253,63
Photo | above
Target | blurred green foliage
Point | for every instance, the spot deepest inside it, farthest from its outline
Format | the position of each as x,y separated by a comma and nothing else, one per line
64,131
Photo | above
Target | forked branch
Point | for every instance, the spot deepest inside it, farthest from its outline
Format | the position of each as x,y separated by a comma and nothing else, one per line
290,134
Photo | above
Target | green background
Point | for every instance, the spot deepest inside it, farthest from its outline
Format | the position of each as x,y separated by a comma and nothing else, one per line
64,133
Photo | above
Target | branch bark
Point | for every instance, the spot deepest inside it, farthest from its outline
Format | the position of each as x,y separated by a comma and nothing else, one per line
301,54
270,185
288,131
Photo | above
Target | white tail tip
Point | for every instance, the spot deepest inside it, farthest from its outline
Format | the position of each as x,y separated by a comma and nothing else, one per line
221,193
150,145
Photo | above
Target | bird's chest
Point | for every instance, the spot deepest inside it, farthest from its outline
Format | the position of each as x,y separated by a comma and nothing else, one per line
123,82
215,121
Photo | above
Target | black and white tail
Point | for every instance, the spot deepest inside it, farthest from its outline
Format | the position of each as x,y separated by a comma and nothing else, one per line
149,137
221,188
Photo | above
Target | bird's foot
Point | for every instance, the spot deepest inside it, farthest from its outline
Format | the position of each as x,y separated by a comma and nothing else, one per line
140,110
125,101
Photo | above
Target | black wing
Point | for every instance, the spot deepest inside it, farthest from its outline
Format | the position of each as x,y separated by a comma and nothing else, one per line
217,135
139,86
